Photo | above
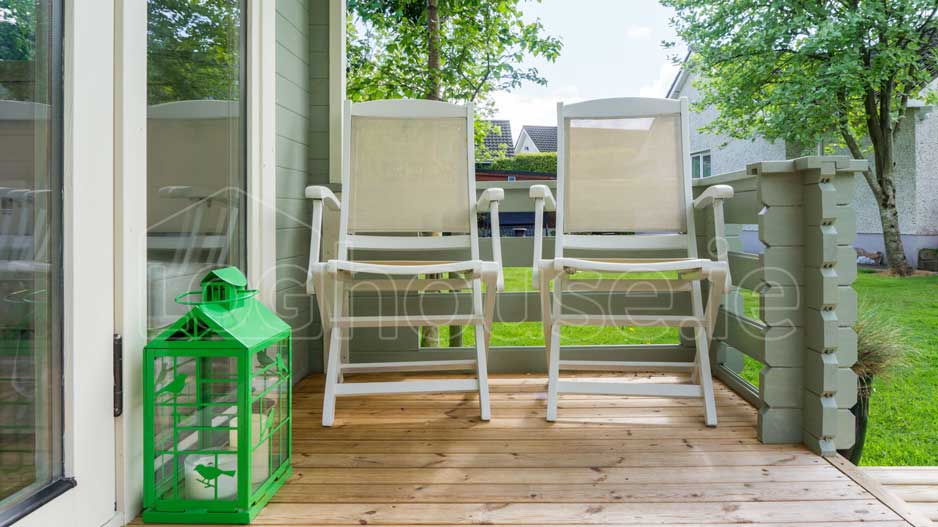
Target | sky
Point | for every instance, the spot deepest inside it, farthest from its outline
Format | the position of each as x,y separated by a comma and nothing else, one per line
611,48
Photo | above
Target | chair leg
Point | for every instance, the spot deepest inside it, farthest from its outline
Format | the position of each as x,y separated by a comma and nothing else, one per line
706,380
332,374
344,355
482,372
545,318
553,372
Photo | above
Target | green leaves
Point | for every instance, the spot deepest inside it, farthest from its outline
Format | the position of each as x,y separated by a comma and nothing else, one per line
483,43
193,50
804,71
543,163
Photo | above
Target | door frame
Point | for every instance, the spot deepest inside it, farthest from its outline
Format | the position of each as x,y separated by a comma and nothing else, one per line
130,206
87,178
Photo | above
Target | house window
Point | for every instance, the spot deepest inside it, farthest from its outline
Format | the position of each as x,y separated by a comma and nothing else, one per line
31,269
700,164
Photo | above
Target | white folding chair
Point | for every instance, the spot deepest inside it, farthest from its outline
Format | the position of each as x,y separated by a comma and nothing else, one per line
623,170
408,169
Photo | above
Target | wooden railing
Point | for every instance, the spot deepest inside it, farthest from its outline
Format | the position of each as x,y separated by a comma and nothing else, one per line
803,336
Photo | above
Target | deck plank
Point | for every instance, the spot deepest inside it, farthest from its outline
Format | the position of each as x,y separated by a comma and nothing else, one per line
917,486
575,513
613,461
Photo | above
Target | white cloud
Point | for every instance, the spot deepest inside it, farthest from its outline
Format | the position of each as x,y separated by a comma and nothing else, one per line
637,32
532,109
659,87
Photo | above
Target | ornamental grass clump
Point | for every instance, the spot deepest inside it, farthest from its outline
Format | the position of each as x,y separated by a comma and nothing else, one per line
881,345
881,348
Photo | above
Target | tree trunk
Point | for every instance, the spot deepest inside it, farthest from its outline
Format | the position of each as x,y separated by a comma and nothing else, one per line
433,50
892,238
886,199
882,132
430,335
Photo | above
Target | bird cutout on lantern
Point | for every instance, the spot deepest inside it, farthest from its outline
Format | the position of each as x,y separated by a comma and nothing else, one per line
174,388
210,474
282,365
269,421
264,360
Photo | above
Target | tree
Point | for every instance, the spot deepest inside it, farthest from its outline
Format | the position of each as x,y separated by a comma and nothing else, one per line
193,50
444,50
17,30
451,50
19,21
813,72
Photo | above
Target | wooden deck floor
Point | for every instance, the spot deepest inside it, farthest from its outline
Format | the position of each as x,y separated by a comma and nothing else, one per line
918,486
428,460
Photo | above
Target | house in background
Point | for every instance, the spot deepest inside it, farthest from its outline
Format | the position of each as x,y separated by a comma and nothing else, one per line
536,139
499,137
917,178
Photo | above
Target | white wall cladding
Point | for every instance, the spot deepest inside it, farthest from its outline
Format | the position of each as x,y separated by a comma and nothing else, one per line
727,155
926,196
302,159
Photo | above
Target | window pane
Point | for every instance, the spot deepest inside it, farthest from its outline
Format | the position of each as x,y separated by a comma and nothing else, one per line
706,165
30,248
195,146
695,166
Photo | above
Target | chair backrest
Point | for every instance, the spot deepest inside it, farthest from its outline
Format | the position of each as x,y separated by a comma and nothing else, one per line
408,168
624,167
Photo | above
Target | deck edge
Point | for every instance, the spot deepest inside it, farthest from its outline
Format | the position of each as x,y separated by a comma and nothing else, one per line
905,511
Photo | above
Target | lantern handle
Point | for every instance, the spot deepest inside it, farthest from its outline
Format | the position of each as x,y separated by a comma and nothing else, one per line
243,295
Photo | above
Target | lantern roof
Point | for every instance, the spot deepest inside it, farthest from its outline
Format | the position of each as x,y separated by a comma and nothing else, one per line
229,275
248,323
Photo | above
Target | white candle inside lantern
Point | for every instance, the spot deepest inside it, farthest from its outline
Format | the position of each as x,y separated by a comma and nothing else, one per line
260,468
203,476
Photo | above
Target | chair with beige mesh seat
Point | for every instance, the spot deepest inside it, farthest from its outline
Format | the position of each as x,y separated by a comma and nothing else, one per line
407,171
624,171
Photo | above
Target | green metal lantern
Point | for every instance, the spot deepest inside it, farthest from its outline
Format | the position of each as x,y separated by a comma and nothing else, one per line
217,407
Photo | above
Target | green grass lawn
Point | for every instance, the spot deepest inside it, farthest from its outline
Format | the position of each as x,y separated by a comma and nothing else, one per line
904,409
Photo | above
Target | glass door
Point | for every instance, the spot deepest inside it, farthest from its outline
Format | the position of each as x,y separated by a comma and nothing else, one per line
31,270
196,154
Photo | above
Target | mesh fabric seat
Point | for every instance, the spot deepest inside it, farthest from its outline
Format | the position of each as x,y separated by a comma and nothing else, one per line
408,185
624,207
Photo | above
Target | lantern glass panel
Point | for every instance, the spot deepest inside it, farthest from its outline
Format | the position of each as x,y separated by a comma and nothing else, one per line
270,380
195,457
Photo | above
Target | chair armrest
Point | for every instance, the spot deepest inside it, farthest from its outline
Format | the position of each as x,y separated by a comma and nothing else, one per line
488,202
543,200
319,195
712,194
318,192
543,192
489,196
714,197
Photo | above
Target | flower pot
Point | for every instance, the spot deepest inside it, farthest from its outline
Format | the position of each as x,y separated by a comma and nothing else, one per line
861,411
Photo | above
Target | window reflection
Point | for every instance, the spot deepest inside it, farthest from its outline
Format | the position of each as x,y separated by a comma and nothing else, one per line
195,146
30,248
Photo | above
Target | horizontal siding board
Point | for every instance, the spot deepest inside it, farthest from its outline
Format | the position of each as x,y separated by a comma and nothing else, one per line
292,125
296,12
292,96
292,67
293,242
291,183
291,154
293,213
292,38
